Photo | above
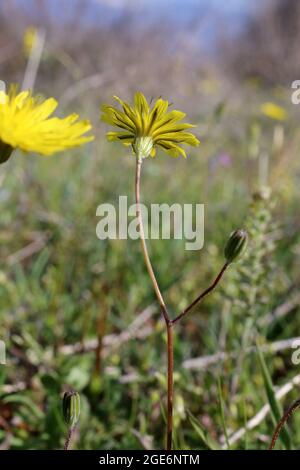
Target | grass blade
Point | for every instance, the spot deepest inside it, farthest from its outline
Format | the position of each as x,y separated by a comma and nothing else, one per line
276,410
222,408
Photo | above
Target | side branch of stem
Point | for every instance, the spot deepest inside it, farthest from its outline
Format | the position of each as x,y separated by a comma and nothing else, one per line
202,295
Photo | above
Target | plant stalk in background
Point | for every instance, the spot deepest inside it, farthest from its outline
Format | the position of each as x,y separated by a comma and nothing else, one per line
145,129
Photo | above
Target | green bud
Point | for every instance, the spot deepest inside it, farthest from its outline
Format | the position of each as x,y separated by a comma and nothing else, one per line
71,407
236,245
143,146
5,152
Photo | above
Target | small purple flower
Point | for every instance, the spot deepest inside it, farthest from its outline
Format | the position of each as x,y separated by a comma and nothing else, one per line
223,160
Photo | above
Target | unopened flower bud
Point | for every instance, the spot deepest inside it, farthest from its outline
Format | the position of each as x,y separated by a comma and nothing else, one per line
236,245
71,407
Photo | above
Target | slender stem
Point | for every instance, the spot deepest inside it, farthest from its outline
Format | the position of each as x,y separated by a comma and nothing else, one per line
143,242
170,386
204,294
282,422
69,437
160,299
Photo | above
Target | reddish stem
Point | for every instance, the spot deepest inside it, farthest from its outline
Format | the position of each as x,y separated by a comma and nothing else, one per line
201,296
282,422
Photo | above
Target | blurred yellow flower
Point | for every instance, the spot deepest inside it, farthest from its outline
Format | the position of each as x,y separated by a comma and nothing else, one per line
146,128
30,39
25,124
273,111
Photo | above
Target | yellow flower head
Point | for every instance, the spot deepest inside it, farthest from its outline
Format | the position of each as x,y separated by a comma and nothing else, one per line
146,128
273,111
30,39
25,124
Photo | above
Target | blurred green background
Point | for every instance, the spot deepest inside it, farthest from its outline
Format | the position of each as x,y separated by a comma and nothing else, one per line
79,312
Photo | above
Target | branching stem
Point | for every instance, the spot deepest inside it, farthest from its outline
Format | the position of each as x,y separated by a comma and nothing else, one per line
202,295
169,323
